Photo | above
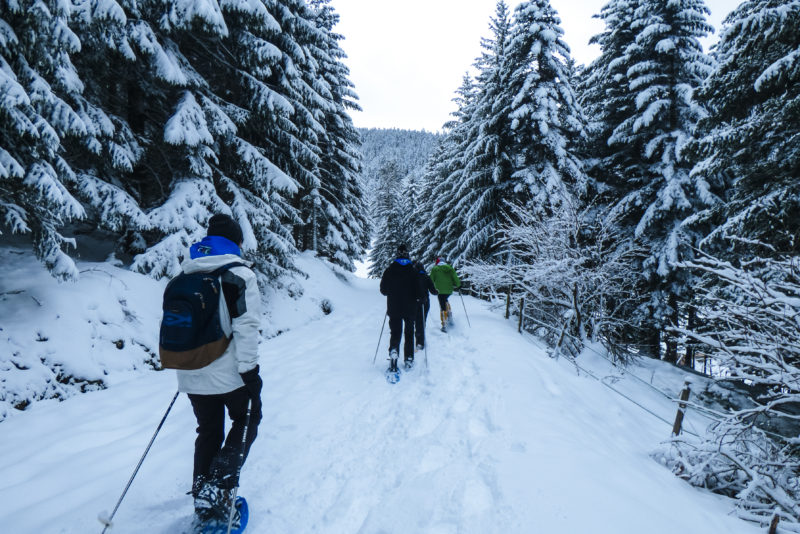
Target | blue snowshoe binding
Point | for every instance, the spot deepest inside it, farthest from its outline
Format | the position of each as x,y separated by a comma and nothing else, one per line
212,510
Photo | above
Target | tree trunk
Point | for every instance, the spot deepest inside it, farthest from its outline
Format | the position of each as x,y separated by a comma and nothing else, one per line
654,343
691,325
671,350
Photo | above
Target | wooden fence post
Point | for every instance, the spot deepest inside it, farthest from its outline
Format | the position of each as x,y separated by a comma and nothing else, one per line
508,303
773,527
521,313
676,428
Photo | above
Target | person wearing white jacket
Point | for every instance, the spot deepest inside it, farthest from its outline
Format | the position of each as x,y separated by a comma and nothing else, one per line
230,382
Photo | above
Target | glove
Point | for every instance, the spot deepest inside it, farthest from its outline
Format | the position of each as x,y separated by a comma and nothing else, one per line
253,384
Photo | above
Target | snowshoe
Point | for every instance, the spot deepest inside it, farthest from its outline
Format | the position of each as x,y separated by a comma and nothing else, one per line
393,377
212,507
408,364
393,373
217,523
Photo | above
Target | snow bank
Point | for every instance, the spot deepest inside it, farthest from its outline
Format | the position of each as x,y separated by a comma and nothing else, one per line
59,339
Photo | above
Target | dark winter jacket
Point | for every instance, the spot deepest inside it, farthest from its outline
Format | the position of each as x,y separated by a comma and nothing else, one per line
425,284
400,284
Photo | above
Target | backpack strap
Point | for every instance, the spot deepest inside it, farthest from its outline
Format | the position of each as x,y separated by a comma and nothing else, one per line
219,270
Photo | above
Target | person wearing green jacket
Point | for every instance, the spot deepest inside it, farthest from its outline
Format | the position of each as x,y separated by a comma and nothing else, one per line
446,281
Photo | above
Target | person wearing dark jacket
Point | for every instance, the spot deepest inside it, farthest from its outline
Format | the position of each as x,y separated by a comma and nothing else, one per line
400,284
425,287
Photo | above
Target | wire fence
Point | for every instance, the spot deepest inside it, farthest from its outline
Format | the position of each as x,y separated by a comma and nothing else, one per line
683,404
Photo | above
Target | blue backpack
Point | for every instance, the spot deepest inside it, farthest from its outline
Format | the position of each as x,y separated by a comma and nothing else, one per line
191,335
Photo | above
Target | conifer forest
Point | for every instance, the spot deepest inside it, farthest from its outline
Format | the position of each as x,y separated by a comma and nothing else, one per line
648,201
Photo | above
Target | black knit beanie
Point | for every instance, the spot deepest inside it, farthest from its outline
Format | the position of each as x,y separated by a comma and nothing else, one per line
224,226
402,251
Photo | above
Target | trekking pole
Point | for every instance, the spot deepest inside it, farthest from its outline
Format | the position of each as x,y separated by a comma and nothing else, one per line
379,338
465,308
239,467
424,335
107,520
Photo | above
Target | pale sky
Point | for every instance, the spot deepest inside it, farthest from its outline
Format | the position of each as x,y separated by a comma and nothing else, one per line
408,57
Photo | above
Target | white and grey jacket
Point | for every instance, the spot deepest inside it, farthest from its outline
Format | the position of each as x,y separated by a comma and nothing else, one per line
240,315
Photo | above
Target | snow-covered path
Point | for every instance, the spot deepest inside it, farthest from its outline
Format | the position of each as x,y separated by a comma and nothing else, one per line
493,437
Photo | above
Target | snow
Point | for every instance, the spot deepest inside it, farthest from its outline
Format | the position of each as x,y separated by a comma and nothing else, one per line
492,436
187,126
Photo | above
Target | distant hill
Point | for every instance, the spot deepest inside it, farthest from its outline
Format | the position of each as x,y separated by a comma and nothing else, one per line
409,148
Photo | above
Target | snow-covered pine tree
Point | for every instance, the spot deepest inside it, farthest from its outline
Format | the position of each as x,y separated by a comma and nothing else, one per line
178,186
749,138
188,108
414,191
665,64
390,215
340,218
423,239
303,43
749,299
255,78
217,153
112,69
546,118
438,228
38,83
606,100
487,162
410,148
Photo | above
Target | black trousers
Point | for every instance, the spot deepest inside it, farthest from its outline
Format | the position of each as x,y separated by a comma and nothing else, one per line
396,326
419,322
216,457
443,301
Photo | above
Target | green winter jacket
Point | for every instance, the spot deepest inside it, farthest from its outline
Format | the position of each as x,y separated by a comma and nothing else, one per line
445,279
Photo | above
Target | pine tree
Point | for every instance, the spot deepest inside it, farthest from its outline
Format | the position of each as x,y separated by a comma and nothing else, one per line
390,214
665,64
749,138
177,179
546,118
38,83
488,165
339,218
105,160
607,101
444,171
220,153
173,111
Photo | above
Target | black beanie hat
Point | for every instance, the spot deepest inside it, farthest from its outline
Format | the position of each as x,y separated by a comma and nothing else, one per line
224,226
402,250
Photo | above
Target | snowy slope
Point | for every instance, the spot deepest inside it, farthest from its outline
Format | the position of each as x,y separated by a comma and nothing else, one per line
492,437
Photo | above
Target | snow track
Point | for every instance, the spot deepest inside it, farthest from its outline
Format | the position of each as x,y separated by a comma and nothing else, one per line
494,437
